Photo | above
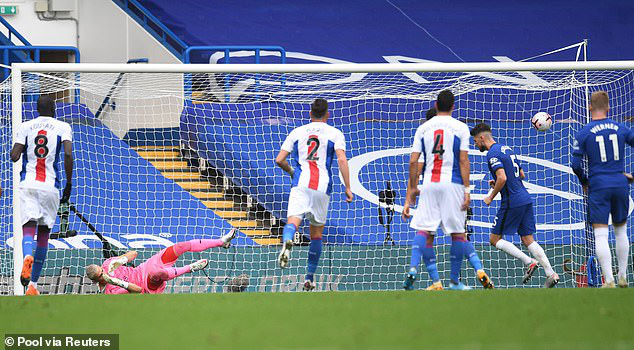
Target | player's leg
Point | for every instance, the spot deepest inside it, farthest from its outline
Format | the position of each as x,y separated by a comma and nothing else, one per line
30,212
28,235
48,203
39,257
429,259
456,255
599,211
171,254
526,229
506,223
425,221
620,206
314,253
298,203
423,247
318,214
453,220
167,273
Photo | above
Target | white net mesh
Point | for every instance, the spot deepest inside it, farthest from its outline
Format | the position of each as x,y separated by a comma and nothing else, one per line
167,157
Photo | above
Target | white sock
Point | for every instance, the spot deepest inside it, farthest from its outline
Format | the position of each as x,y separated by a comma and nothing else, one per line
34,284
603,253
622,249
511,249
540,256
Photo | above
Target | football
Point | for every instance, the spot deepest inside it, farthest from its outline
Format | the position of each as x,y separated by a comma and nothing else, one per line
542,121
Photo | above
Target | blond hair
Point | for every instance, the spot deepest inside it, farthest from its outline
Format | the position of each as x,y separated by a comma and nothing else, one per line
92,272
599,101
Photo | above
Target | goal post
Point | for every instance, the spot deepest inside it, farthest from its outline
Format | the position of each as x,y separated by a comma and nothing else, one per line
168,161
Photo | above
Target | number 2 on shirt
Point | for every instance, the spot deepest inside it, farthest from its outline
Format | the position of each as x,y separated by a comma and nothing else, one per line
313,146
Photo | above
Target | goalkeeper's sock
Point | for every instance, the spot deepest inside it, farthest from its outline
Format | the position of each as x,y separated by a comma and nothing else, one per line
456,254
603,253
28,233
417,249
622,249
288,232
429,258
540,256
39,257
472,256
512,250
314,252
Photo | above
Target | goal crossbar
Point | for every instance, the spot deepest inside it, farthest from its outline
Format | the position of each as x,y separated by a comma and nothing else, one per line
323,68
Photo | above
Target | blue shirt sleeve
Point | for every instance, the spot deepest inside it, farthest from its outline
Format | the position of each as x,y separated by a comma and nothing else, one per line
494,161
577,156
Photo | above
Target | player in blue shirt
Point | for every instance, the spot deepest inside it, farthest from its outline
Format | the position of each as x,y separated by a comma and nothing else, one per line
603,142
516,210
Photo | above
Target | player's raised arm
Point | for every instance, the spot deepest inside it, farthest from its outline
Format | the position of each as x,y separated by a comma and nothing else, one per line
121,260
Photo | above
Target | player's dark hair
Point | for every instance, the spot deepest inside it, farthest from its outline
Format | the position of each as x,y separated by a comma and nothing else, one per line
46,106
430,113
445,101
482,127
319,108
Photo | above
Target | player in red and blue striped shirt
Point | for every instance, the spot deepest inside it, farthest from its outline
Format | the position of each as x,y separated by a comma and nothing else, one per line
312,147
39,143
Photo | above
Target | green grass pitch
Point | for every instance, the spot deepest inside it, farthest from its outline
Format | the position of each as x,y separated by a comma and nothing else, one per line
498,319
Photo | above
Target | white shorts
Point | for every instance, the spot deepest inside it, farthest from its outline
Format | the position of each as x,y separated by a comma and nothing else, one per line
440,203
313,204
39,206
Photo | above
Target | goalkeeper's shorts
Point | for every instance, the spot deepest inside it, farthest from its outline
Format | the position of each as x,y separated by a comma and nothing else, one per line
310,203
39,206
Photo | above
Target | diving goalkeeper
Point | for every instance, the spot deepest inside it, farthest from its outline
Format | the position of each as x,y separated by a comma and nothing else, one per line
152,275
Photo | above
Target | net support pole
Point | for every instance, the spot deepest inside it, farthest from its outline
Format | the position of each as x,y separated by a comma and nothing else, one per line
16,109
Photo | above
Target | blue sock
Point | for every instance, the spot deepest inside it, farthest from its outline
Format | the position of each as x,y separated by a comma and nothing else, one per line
456,254
314,252
289,232
27,245
473,257
429,258
417,251
38,262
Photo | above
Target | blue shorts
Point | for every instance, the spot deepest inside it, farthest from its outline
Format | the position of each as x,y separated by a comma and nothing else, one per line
606,201
515,220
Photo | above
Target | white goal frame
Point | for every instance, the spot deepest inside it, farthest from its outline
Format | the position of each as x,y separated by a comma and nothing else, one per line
19,68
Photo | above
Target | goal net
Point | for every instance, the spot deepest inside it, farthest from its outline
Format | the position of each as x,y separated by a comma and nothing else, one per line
168,153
